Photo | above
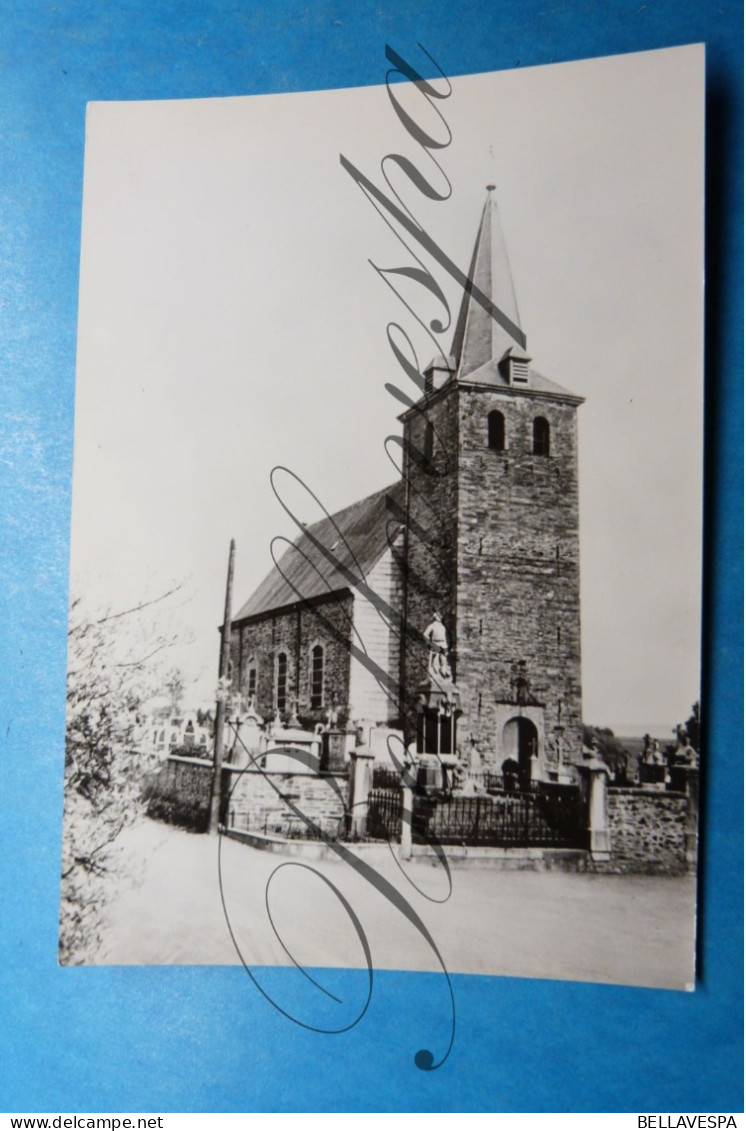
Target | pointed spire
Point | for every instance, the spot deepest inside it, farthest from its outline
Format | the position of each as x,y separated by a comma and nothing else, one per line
482,336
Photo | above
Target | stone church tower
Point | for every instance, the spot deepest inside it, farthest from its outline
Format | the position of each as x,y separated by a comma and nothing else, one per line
491,531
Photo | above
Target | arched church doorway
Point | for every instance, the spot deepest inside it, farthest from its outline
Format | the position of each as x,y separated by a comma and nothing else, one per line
520,743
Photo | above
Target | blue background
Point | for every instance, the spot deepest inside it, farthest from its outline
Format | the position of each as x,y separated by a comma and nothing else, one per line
193,1039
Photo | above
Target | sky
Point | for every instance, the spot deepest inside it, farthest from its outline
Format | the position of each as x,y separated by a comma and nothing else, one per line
230,321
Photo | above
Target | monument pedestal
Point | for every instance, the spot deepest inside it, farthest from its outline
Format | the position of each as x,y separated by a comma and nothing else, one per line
333,744
437,716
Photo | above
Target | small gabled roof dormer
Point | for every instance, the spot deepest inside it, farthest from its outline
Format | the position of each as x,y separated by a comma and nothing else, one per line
437,372
514,367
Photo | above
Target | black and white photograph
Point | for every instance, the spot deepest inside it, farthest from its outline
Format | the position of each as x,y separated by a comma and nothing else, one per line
386,553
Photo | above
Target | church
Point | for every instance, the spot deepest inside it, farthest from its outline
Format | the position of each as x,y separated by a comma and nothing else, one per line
477,545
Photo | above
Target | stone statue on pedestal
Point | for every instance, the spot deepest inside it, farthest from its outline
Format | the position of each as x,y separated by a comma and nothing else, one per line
438,666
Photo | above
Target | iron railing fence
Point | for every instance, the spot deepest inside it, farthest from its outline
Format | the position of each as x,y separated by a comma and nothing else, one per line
548,816
386,778
384,814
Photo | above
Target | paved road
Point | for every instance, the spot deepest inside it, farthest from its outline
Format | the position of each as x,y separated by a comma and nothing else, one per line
633,930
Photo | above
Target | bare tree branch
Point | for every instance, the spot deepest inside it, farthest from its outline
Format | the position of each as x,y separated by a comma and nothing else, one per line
138,608
144,659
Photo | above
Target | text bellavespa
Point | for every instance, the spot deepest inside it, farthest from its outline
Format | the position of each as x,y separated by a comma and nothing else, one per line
699,1121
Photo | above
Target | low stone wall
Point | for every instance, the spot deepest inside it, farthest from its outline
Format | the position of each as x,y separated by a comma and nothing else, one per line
180,793
257,802
252,800
647,831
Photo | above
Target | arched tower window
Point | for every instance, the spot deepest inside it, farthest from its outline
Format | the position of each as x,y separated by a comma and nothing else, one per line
282,682
496,431
541,436
317,676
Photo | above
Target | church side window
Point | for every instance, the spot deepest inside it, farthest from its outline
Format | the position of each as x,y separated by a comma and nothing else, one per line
541,436
251,683
496,431
282,681
317,676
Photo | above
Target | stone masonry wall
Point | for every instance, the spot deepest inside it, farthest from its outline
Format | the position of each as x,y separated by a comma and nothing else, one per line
518,566
180,793
493,544
295,632
647,831
254,805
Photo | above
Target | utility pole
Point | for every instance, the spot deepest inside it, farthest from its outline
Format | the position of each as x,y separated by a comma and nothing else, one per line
225,645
